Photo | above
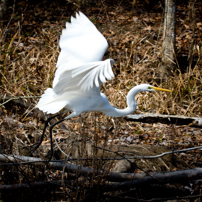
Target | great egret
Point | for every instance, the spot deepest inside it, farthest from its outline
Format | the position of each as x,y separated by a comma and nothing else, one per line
80,72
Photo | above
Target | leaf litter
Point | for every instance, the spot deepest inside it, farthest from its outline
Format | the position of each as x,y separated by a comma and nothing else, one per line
29,54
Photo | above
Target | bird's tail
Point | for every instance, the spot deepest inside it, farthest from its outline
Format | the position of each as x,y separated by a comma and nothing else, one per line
51,102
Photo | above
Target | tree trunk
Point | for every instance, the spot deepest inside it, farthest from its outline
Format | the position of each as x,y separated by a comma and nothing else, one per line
3,11
192,20
168,47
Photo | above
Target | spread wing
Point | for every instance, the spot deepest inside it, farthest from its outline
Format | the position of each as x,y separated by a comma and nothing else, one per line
87,77
79,65
80,43
80,70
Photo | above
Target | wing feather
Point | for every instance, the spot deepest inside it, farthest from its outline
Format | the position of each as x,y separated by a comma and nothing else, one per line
80,70
85,77
80,43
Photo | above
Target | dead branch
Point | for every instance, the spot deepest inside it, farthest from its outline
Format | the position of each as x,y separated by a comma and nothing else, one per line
166,119
20,102
133,179
158,178
9,99
54,183
143,157
145,118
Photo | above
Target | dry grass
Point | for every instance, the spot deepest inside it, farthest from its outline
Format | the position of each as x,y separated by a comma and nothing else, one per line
28,66
28,60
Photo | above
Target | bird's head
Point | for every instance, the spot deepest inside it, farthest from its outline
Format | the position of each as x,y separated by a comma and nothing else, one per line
147,87
153,88
140,88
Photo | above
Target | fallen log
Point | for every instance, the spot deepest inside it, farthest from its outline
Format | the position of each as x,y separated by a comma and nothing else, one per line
53,183
161,178
127,179
166,119
182,176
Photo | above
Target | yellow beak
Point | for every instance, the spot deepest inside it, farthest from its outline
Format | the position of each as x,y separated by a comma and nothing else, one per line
161,89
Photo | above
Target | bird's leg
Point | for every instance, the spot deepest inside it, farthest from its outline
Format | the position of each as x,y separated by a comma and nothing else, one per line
44,130
51,130
51,136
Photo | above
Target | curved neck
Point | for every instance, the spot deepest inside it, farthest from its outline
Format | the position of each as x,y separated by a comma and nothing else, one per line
131,96
115,112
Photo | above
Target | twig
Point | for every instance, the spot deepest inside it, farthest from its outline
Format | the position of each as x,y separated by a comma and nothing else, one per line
26,160
117,153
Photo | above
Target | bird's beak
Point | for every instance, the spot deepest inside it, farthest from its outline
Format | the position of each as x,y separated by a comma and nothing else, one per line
161,89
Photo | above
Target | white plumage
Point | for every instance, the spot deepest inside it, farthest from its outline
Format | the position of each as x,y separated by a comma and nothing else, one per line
80,72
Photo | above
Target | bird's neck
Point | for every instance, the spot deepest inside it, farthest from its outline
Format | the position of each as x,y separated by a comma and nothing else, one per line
116,112
131,96
131,105
130,102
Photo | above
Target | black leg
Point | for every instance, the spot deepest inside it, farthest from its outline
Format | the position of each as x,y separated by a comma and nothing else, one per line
44,130
51,137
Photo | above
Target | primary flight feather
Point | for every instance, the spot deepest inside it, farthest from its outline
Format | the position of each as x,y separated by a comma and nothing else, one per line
80,72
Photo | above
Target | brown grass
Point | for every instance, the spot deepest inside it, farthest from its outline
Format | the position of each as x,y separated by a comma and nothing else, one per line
29,65
28,59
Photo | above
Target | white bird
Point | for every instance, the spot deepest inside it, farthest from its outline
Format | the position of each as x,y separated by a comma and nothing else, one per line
80,72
